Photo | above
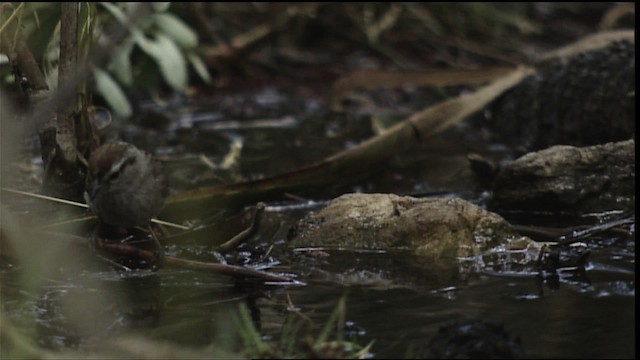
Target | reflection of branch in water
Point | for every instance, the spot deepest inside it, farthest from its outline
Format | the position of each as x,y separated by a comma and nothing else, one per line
229,270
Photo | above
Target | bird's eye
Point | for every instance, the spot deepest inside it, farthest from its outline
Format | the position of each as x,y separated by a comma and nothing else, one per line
119,168
114,175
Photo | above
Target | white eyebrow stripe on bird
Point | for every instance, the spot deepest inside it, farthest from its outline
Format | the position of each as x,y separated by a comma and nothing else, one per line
124,162
119,166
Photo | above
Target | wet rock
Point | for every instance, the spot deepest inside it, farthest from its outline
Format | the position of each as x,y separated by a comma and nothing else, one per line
569,179
432,229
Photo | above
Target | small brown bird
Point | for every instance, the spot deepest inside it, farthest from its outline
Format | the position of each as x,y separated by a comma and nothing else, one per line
124,187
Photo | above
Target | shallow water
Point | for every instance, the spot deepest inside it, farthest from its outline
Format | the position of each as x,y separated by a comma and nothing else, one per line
573,320
588,313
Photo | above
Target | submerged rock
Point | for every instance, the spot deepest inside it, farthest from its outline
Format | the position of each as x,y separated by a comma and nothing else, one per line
432,229
570,179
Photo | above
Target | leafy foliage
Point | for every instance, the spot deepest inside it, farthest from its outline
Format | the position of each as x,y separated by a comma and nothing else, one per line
162,37
165,41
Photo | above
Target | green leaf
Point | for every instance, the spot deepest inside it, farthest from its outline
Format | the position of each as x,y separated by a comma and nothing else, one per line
169,58
116,11
160,6
120,15
121,63
177,30
112,93
200,67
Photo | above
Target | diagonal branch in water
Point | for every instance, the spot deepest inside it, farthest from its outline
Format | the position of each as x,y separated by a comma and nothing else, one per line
351,163
223,269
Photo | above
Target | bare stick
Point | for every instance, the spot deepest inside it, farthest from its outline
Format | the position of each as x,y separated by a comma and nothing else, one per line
246,233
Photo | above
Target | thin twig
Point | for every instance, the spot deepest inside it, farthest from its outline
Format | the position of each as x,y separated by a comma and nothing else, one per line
576,236
50,198
74,203
246,233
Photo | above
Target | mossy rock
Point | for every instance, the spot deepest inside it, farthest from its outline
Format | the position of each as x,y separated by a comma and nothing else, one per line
430,228
569,179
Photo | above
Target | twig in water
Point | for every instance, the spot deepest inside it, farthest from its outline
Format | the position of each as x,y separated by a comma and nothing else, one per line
245,234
